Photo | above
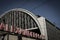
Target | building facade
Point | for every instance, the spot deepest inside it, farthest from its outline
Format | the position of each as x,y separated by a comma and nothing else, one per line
37,28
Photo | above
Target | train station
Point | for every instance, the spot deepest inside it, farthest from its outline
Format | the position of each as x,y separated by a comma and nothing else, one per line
21,24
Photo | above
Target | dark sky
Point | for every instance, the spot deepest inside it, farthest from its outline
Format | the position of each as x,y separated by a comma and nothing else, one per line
50,9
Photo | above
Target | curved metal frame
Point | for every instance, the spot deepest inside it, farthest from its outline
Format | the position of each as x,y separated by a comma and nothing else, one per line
26,11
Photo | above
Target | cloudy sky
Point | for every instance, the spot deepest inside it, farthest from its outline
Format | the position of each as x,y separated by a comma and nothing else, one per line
50,9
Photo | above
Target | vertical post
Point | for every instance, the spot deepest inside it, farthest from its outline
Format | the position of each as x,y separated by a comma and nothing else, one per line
19,37
7,36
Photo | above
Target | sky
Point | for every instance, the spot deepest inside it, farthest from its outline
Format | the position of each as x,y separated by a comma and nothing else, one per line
50,9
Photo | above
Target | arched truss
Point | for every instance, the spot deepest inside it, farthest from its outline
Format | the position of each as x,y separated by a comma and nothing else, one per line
21,18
